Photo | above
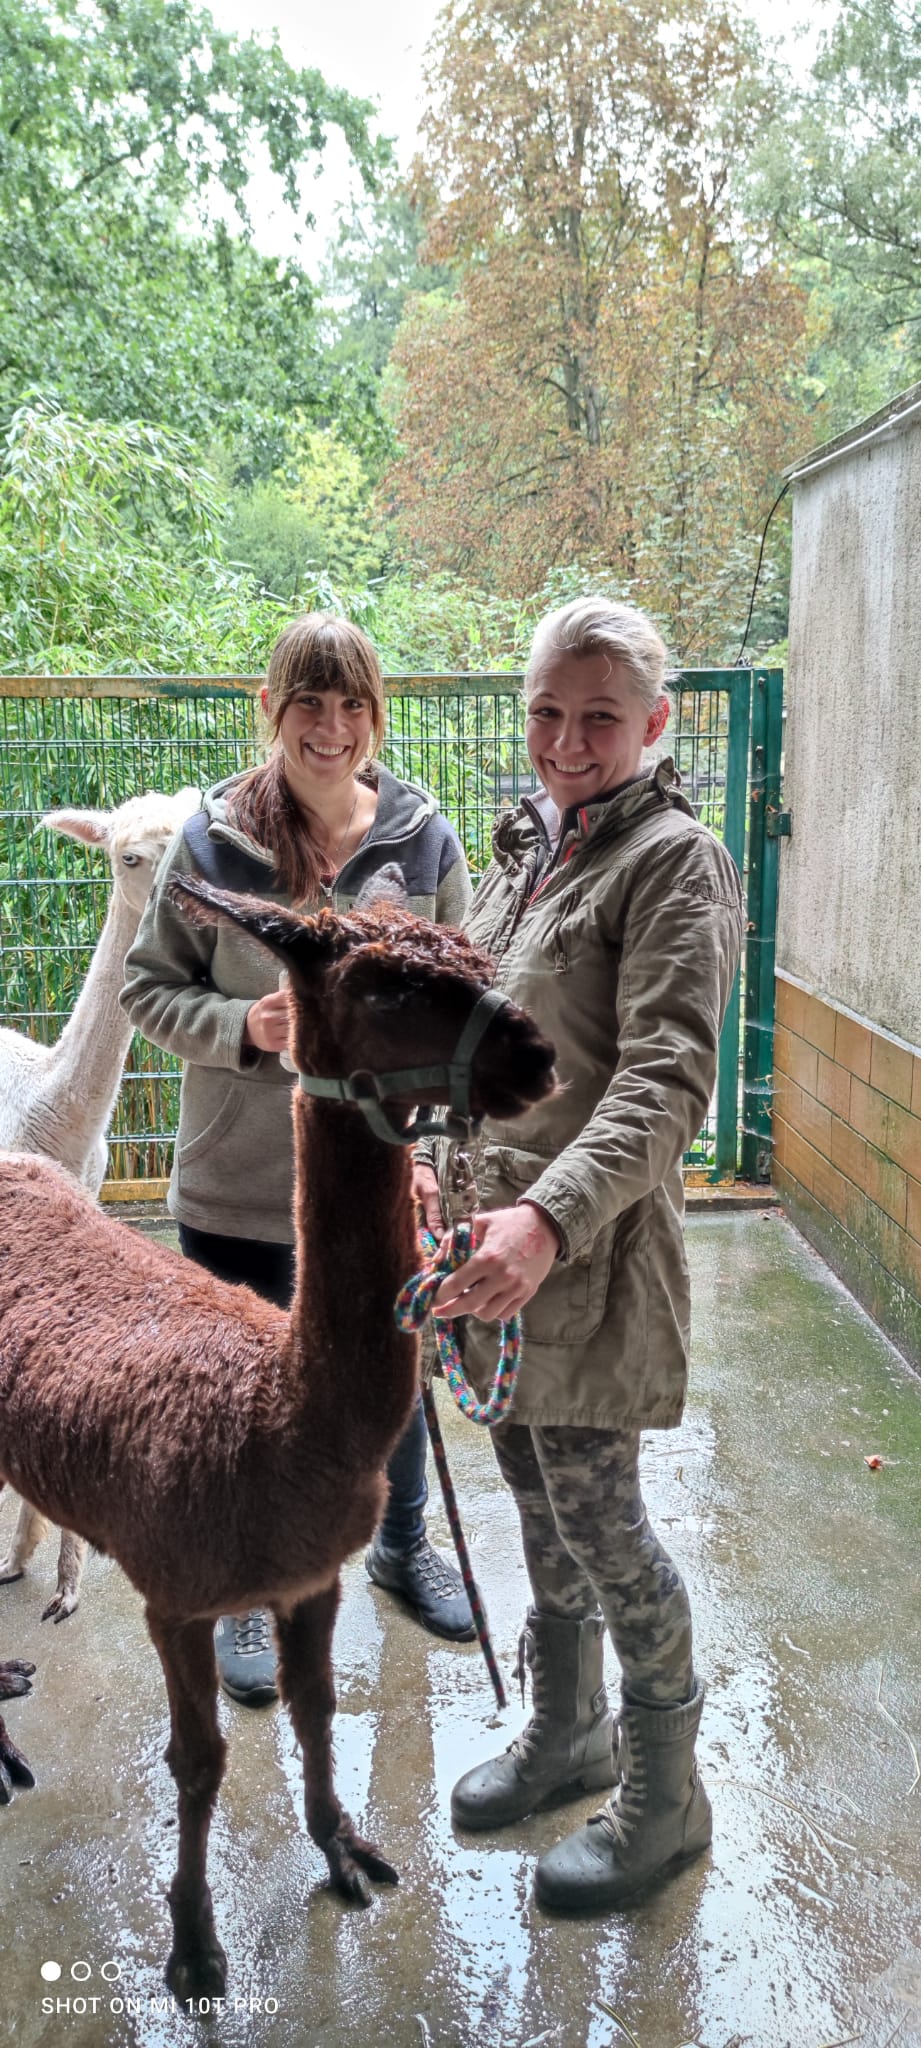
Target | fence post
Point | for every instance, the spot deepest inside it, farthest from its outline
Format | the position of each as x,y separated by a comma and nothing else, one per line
726,1151
764,806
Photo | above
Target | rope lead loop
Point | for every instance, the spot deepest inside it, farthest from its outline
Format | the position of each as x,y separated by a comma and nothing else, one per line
413,1304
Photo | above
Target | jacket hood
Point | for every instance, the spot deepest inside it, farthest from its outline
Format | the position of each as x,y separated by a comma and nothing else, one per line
402,807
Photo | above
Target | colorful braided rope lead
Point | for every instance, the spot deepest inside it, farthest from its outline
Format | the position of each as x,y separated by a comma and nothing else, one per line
412,1306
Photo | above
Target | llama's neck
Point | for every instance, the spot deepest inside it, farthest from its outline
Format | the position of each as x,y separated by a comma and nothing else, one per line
356,1241
85,1068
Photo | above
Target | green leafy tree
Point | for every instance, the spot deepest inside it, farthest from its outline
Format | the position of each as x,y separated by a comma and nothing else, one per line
316,519
847,185
272,539
122,122
839,177
109,554
328,481
375,264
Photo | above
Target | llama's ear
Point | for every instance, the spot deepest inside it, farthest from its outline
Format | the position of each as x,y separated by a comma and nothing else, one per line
92,827
387,886
299,941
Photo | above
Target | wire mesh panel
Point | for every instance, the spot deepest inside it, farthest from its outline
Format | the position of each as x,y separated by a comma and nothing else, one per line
462,738
61,751
92,742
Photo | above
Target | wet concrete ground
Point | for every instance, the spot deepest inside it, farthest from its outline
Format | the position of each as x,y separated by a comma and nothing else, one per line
803,1928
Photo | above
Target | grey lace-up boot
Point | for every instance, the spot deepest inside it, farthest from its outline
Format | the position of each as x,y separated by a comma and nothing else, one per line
657,1818
567,1746
246,1657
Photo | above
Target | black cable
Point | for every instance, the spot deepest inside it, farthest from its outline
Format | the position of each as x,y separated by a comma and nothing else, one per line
751,608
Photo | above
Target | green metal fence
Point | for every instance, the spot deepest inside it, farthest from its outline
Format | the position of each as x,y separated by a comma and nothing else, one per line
96,740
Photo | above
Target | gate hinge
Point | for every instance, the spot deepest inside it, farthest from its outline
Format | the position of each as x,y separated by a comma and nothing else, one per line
779,823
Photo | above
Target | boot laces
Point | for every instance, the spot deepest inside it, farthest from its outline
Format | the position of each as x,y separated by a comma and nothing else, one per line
251,1634
523,1746
623,1811
432,1570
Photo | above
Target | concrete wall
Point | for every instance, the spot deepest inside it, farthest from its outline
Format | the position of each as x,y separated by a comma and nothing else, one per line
848,1044
852,777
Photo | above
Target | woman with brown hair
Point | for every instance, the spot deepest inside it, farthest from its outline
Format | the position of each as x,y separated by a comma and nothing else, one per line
311,825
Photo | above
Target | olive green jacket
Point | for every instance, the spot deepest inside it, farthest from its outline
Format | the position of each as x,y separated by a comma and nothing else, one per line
625,953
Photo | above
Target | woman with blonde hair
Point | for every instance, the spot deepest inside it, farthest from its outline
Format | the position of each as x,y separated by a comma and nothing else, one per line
313,824
615,918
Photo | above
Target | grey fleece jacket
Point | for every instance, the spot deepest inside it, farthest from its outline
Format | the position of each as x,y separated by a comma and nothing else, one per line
189,989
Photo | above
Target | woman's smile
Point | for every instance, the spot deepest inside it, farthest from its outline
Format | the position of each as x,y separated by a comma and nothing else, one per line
587,726
324,735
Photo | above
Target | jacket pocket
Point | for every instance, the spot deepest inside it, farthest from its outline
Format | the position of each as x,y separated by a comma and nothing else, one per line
211,1105
235,1148
569,1305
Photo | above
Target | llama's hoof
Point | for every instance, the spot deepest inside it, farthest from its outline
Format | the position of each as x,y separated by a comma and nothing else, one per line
15,1678
202,1975
349,1856
15,1769
65,1602
10,1571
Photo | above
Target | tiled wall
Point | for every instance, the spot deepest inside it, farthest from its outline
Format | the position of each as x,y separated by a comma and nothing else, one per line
847,1152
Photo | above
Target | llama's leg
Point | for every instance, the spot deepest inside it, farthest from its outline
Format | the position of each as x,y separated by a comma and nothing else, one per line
15,1769
305,1675
31,1526
71,1560
197,1967
15,1678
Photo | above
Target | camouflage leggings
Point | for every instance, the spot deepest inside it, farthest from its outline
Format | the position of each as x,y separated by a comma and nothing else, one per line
587,1543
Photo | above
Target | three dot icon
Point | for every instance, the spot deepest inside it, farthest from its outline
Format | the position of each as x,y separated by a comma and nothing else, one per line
80,1971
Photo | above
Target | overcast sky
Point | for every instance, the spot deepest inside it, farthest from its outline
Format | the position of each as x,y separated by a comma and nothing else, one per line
374,48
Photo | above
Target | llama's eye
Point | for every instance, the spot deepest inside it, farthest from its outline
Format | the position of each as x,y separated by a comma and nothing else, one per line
131,860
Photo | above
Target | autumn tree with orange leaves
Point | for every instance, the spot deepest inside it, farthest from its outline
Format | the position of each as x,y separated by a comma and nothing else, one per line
613,381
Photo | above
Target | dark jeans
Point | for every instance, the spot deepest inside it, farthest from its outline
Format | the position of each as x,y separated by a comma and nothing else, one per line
269,1270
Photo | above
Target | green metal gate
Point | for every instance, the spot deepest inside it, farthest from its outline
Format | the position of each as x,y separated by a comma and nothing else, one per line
67,740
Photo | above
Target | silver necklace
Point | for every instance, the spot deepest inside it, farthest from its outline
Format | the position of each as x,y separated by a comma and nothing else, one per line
329,873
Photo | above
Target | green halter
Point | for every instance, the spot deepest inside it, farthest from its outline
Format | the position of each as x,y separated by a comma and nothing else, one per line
371,1091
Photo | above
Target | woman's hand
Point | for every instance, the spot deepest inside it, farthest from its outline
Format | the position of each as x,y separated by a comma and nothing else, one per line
426,1197
515,1249
267,1022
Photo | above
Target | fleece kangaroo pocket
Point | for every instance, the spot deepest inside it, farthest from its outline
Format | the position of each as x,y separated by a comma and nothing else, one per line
235,1150
210,1109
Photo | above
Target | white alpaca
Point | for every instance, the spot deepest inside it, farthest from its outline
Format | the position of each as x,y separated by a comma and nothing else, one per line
58,1099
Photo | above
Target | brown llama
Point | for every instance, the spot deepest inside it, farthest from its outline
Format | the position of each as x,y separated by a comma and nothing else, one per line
227,1454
